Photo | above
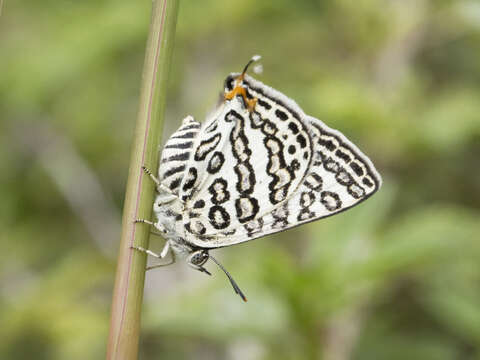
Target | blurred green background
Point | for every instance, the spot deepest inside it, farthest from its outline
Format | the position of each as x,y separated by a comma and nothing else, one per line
397,277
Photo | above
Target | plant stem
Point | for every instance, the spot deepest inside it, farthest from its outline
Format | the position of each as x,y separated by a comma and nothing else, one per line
128,292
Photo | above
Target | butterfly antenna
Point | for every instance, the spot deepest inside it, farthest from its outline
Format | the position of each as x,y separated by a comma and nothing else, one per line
252,60
234,284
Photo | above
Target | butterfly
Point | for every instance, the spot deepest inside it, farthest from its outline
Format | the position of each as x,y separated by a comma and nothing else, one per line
257,165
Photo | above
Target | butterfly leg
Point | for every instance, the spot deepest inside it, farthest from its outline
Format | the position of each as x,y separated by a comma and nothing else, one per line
160,185
169,197
144,221
157,226
153,177
162,255
156,233
161,265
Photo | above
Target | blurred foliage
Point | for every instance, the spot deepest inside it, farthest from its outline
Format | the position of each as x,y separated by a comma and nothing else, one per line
395,278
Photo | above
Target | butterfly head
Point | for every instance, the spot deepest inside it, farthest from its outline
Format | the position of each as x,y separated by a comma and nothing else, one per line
235,87
197,259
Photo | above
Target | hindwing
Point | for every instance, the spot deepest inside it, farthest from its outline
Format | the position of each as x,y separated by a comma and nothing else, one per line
176,153
253,173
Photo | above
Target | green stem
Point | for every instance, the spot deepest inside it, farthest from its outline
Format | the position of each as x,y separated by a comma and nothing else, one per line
130,277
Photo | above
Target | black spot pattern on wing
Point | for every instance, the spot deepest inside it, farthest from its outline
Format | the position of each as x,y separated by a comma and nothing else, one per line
367,182
233,116
356,190
173,170
269,128
246,178
307,198
187,135
219,192
302,141
280,216
190,180
229,232
254,226
173,214
343,155
256,120
175,183
327,143
361,176
195,227
314,182
219,217
216,162
330,200
245,206
293,128
212,127
277,168
181,145
281,114
264,104
343,177
206,146
199,204
355,167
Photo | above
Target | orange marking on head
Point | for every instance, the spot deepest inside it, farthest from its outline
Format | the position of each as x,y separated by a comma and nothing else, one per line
240,90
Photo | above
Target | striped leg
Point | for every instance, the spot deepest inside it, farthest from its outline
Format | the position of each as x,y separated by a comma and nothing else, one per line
153,177
172,260
162,255
155,225
160,186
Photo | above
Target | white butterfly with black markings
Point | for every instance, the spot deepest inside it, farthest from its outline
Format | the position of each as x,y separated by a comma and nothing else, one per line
258,165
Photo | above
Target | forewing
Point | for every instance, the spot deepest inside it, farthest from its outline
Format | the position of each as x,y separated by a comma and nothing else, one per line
244,165
279,169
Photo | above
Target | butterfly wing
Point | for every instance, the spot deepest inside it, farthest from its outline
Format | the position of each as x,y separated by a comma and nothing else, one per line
176,153
260,172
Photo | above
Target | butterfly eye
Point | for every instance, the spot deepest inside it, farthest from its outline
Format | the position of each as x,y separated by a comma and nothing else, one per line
199,258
